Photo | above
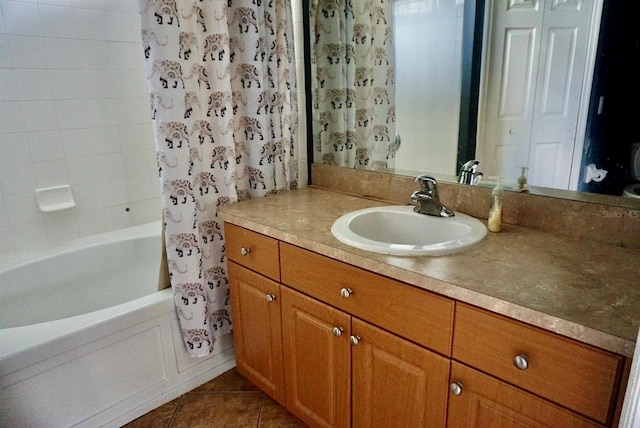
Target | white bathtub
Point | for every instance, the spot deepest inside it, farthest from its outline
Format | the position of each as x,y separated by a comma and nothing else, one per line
85,338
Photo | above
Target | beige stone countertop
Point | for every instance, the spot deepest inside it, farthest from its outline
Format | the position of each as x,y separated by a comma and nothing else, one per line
584,290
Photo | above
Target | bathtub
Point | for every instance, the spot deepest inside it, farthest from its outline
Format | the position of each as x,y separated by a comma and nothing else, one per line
87,340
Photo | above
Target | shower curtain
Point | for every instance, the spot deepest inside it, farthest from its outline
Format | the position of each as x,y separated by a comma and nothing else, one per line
222,86
352,70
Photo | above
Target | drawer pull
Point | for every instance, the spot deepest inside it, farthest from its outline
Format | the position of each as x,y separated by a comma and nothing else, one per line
245,250
354,340
270,298
521,361
337,331
456,388
346,292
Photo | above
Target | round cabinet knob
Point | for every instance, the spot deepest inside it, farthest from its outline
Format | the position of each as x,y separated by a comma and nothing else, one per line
354,340
346,292
337,331
521,361
245,250
456,388
270,297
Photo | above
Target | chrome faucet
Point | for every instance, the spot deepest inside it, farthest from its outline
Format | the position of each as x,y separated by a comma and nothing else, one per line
468,174
427,198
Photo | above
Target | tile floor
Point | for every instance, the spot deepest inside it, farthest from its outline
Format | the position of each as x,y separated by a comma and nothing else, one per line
226,401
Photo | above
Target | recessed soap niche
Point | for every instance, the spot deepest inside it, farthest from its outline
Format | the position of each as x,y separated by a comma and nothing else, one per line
55,198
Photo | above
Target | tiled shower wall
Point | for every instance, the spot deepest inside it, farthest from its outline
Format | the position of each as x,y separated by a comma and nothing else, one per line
428,43
74,109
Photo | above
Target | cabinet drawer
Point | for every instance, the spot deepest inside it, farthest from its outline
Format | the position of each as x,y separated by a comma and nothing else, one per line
253,250
415,314
485,401
575,375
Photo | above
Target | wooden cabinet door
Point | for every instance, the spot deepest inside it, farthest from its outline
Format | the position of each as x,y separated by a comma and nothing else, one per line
488,402
317,360
396,383
257,331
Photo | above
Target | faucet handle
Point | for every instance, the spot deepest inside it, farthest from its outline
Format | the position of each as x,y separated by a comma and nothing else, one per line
470,165
427,183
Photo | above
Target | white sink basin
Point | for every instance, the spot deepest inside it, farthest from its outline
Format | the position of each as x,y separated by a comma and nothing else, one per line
400,231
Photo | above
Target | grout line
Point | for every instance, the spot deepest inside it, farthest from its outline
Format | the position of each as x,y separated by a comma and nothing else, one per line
174,411
260,410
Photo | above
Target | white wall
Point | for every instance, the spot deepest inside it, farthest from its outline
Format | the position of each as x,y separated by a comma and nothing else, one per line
74,109
428,43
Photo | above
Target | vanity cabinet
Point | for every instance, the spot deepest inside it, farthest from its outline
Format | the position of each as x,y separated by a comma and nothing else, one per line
335,368
343,346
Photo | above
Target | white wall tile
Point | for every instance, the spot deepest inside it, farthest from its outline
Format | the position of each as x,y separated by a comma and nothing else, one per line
91,222
33,84
125,55
124,27
106,140
118,217
22,208
133,110
21,18
2,27
51,173
57,21
55,2
92,4
110,166
27,52
141,187
144,212
14,148
30,236
88,196
4,216
136,137
139,162
7,246
130,83
45,145
102,112
8,90
73,114
91,24
73,99
39,115
61,227
11,117
5,55
17,178
82,170
63,54
77,142
114,192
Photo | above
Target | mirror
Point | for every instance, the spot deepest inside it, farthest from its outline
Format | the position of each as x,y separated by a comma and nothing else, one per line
456,140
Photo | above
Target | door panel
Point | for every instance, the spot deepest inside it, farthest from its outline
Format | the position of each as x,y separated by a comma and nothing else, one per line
317,362
396,383
257,330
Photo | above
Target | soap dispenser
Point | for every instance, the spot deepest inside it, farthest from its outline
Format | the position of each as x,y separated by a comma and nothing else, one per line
494,223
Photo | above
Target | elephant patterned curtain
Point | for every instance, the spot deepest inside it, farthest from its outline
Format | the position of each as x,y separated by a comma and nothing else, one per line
352,70
222,87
